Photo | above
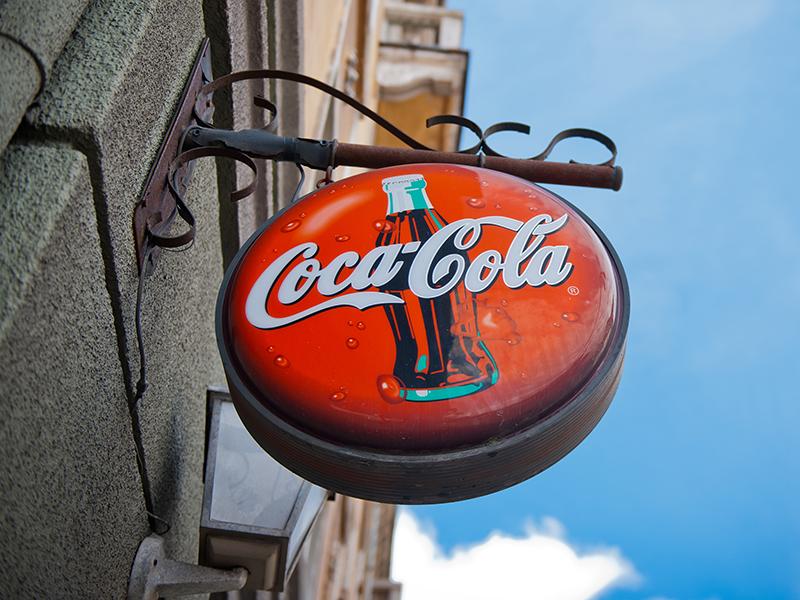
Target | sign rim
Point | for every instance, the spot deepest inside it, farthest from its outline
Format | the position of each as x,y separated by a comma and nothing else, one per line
362,461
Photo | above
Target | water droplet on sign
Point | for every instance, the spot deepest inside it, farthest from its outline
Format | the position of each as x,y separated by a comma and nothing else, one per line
281,361
338,396
351,343
342,238
291,226
302,215
569,317
389,388
360,325
476,202
350,322
270,348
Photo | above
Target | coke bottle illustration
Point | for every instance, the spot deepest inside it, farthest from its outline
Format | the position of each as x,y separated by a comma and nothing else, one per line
440,353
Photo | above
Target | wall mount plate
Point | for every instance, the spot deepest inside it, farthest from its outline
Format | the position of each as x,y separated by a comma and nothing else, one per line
155,210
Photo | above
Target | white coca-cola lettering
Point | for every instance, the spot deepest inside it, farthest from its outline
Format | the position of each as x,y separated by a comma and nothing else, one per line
431,274
490,263
327,284
547,265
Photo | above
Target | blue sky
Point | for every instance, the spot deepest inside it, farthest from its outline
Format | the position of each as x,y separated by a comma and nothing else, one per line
693,474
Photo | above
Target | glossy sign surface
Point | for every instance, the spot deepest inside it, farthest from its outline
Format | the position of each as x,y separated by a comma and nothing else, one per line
420,308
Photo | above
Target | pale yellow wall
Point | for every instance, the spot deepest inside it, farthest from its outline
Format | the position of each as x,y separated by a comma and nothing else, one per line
323,19
410,115
336,30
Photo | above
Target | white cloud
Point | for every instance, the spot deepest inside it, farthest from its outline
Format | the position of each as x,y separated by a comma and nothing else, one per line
540,565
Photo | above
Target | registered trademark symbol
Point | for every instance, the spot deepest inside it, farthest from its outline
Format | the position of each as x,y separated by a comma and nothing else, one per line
573,291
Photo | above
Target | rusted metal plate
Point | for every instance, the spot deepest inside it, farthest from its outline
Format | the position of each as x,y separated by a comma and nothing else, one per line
156,208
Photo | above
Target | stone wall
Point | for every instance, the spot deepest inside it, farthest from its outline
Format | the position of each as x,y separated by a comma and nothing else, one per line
73,512
87,92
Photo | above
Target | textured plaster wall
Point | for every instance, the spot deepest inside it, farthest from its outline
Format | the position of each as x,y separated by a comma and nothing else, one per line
112,93
71,496
69,489
32,34
20,83
71,505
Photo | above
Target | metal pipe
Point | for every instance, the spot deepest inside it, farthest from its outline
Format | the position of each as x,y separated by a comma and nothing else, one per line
538,171
321,154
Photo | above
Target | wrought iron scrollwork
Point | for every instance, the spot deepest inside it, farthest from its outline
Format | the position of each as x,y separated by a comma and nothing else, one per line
203,105
482,147
208,90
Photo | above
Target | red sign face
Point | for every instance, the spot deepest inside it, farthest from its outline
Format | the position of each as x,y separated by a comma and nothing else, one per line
420,310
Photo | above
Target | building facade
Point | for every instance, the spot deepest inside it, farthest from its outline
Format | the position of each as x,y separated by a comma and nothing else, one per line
89,88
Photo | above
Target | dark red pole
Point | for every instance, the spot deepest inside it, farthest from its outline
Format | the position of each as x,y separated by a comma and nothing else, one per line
320,154
538,171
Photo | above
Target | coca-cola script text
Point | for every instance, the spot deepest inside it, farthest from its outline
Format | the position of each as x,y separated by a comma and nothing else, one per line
527,262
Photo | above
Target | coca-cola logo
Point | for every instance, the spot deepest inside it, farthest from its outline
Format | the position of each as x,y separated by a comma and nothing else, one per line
432,272
392,331
419,306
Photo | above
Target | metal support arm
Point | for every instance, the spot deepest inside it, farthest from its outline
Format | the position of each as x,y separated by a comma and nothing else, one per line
537,171
257,143
155,576
321,154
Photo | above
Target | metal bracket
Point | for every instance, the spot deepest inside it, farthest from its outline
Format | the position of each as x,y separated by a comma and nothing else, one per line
162,200
258,143
154,576
322,154
156,208
159,204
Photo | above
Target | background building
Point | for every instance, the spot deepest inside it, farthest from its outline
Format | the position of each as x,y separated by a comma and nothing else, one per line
88,89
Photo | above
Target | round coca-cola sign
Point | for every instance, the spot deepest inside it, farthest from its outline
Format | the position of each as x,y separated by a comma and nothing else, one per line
423,333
